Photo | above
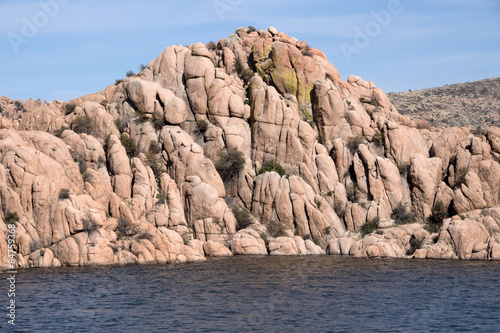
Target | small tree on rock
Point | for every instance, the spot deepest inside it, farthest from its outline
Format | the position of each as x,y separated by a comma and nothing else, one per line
229,163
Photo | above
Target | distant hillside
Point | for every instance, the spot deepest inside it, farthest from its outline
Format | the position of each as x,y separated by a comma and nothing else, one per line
473,104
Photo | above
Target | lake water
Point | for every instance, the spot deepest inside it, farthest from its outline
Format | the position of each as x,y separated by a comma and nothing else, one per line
271,294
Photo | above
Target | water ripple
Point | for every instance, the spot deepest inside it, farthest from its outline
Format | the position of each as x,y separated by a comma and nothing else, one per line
277,294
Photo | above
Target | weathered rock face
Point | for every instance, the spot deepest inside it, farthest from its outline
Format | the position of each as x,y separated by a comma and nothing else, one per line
128,175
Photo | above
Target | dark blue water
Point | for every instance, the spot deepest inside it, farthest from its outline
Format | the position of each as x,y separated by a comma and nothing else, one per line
272,294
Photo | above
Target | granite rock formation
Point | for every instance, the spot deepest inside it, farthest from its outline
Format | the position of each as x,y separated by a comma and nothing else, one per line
131,174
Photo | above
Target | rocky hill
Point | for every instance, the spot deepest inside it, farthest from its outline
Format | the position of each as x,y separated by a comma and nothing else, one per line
474,104
251,145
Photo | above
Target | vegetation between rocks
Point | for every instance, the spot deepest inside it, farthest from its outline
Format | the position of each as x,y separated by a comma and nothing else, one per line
63,194
438,214
69,108
401,216
271,166
243,217
202,125
10,218
229,163
276,229
129,144
369,227
82,124
353,143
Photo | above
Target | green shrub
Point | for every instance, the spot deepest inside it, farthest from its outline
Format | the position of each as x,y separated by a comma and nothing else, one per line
438,213
379,139
460,177
101,162
320,138
142,67
453,159
145,235
87,177
264,238
415,244
122,123
129,144
80,160
369,227
211,46
276,229
352,191
242,216
238,66
125,227
202,125
401,216
403,168
58,132
246,101
20,107
157,120
10,218
247,75
130,73
154,148
432,228
353,143
142,117
339,208
69,108
82,124
89,225
35,245
327,230
119,235
307,52
117,82
161,198
82,165
229,163
63,194
271,166
118,122
155,163
330,193
251,29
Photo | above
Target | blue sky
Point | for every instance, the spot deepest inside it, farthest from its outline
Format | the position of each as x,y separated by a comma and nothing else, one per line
62,49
